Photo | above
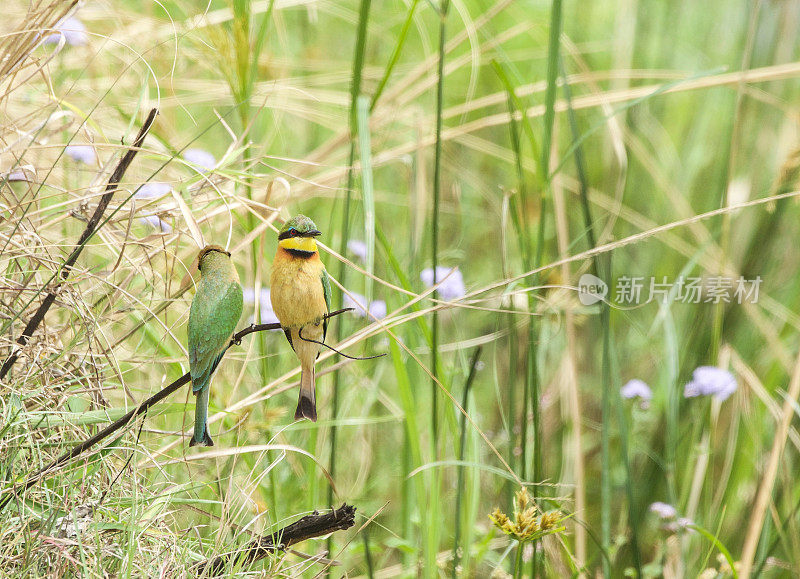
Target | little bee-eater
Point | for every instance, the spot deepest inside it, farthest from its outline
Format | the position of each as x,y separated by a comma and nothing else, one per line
216,309
301,295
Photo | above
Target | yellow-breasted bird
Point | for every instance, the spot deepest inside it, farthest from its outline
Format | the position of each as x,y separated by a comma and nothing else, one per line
300,290
216,309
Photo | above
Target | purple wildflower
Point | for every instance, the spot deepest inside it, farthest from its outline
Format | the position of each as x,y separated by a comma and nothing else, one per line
249,295
357,301
376,308
664,510
200,158
25,173
682,524
153,190
81,153
156,222
636,389
710,381
266,313
452,286
268,317
357,248
74,32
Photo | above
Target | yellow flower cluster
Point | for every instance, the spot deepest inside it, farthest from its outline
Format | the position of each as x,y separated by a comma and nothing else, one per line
526,526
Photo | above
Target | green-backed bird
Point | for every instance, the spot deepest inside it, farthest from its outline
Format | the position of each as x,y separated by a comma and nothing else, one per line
300,290
216,309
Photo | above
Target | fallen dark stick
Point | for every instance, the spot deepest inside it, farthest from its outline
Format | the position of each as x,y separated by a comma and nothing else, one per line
82,447
111,188
308,527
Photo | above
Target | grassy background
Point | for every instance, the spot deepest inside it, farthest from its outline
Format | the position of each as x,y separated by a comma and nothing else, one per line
640,114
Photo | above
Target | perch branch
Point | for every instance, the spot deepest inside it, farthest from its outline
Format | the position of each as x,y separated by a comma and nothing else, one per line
91,225
82,447
308,527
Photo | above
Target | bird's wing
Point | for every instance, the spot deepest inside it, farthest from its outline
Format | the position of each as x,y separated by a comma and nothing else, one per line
288,334
210,329
326,289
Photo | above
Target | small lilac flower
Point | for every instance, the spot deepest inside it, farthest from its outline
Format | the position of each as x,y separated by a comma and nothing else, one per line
664,510
682,524
25,173
156,222
153,190
17,175
452,283
636,389
200,158
81,153
708,380
268,317
356,301
74,32
376,308
249,295
266,313
357,248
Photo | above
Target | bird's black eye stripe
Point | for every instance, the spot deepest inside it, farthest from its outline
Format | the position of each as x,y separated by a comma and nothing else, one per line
292,232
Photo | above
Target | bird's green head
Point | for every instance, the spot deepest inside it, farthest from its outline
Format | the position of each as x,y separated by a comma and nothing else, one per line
298,233
210,255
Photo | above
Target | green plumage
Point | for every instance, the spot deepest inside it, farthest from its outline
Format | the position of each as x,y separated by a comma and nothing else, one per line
326,288
215,312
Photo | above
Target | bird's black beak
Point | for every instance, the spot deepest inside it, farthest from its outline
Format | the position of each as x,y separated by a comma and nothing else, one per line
313,233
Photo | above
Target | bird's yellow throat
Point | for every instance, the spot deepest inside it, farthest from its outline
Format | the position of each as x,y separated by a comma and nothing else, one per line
300,243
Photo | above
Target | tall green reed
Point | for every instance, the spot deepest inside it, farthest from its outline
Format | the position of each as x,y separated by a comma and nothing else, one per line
462,440
437,186
601,267
355,92
432,513
243,44
531,255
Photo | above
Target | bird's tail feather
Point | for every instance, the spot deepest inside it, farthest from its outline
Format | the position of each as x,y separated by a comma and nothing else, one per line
307,403
201,436
205,441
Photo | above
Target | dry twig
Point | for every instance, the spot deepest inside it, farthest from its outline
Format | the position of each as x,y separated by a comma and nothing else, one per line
308,527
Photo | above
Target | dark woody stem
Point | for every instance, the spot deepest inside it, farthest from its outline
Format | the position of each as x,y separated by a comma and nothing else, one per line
308,527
